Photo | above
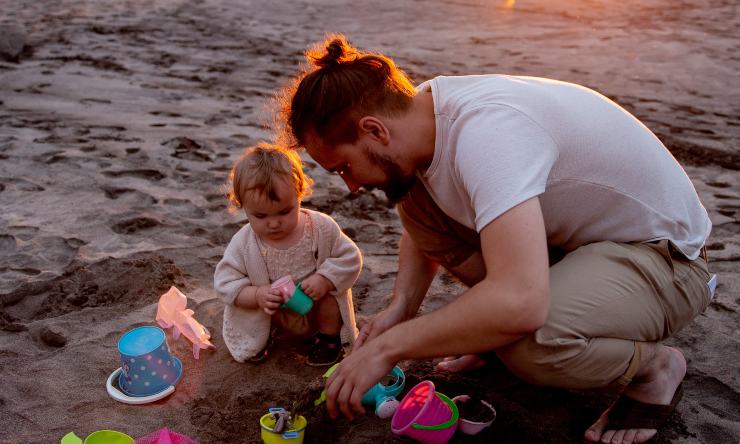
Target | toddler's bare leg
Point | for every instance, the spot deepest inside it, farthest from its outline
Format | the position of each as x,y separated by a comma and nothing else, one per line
328,316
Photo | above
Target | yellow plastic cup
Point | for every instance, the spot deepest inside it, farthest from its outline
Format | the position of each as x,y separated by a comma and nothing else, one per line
292,436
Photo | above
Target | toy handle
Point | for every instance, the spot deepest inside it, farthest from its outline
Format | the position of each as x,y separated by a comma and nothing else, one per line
290,435
444,425
124,398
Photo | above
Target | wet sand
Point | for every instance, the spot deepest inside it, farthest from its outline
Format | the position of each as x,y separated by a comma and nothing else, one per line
120,120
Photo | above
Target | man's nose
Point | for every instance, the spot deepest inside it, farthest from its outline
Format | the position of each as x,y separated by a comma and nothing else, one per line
351,184
273,223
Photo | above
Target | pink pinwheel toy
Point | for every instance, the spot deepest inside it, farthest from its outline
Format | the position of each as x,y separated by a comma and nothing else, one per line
171,312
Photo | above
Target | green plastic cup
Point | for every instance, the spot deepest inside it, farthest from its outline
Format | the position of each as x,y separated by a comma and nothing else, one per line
299,302
108,437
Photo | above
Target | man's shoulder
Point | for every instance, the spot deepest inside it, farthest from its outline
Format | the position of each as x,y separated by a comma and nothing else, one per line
458,96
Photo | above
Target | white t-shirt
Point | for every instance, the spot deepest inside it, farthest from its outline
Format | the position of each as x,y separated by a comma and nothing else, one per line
599,173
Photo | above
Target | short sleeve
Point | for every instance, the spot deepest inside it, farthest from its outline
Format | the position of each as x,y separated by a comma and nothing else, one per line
502,159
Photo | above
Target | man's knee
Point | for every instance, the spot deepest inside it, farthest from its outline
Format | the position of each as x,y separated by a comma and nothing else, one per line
565,362
531,361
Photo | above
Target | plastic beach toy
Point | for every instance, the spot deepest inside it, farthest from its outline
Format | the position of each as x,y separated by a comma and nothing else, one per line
148,371
296,299
467,426
172,313
99,437
285,285
270,433
381,396
164,436
425,415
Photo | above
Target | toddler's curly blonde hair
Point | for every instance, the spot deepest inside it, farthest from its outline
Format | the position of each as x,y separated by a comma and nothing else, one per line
257,170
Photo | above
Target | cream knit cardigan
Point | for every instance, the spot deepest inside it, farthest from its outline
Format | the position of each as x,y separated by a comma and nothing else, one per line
338,259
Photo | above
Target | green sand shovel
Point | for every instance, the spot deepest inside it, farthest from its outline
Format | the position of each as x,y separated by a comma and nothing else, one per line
322,398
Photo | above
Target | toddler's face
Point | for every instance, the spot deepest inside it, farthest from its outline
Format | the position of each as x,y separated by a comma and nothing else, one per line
274,220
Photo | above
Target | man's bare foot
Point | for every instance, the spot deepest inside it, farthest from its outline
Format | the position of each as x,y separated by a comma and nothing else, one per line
458,364
660,373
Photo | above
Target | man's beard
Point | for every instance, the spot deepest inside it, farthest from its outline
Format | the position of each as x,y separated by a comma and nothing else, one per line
398,184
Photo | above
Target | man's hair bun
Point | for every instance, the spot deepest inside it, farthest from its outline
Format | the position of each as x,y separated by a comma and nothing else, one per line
338,84
336,52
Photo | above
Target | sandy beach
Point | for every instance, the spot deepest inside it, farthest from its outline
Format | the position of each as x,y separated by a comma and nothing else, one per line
119,121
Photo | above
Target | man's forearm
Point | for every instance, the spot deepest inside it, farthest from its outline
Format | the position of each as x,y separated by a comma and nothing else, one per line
483,318
415,275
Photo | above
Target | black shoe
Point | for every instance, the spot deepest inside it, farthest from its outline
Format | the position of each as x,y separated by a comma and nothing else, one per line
261,356
326,350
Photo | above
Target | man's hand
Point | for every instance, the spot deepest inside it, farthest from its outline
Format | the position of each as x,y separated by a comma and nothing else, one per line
316,286
269,299
356,374
390,316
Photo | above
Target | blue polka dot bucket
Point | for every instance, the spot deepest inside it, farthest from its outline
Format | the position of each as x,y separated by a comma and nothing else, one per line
147,367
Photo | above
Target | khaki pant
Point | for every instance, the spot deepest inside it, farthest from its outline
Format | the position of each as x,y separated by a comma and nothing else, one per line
606,300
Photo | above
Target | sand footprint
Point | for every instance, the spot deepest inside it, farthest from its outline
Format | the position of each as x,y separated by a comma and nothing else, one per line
20,184
135,224
93,100
185,208
188,149
137,198
137,173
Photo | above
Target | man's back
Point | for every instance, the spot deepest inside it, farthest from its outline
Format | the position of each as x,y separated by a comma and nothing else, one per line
600,173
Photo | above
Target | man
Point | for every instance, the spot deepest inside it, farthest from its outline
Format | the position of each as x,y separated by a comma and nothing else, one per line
493,175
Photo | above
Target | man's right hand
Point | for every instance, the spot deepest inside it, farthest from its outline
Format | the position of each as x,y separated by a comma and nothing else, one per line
390,316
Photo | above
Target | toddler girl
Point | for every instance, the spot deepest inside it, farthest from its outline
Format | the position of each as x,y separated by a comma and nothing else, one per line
282,238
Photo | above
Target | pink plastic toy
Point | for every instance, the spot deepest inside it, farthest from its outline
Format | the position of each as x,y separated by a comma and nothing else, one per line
473,427
425,415
285,285
171,312
164,436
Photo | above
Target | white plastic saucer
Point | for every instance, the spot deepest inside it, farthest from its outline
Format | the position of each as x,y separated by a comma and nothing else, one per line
119,396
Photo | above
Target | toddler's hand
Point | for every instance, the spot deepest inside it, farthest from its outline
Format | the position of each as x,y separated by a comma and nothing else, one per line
270,299
316,286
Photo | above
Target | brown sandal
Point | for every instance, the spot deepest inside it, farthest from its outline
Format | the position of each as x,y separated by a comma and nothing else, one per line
628,413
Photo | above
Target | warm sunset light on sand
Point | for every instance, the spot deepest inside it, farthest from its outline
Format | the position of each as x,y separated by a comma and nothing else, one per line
120,121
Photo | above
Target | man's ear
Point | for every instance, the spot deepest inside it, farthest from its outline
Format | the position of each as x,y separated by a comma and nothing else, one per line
375,128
